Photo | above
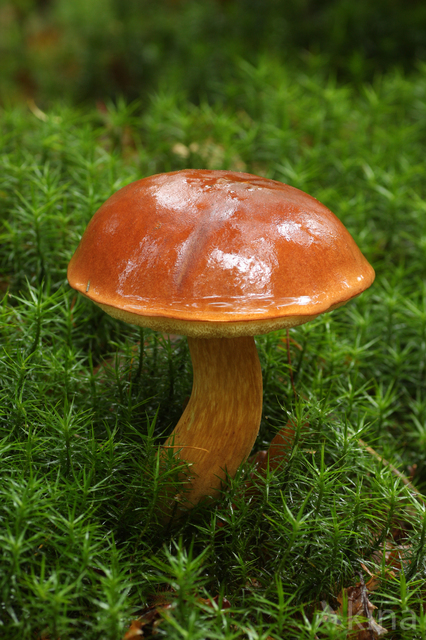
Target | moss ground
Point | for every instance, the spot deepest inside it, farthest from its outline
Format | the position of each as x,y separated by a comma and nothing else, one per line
85,400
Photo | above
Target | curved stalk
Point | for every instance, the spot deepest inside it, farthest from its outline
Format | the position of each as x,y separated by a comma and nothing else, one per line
221,421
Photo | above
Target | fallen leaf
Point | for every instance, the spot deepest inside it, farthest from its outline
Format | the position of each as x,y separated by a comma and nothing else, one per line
135,630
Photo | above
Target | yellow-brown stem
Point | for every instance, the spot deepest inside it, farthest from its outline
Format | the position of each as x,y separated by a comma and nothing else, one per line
221,421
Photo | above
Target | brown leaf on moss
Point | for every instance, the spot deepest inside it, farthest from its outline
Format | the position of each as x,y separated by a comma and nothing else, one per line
135,630
147,624
278,452
212,602
356,611
150,620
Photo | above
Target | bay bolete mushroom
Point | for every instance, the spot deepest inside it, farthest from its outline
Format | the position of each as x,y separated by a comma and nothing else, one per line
217,256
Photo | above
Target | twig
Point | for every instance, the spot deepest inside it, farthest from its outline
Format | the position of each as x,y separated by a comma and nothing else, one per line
41,115
394,470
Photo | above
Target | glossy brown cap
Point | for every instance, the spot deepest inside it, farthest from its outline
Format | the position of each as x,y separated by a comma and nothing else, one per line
210,253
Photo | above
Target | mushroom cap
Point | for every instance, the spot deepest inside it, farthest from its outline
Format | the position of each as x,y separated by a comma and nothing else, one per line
216,253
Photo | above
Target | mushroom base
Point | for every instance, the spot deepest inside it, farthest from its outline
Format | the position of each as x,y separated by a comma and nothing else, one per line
221,421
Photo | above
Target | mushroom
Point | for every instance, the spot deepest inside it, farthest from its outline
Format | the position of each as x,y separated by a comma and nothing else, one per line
220,257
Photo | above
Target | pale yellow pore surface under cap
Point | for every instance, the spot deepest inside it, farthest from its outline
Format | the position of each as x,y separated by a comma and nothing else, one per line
209,329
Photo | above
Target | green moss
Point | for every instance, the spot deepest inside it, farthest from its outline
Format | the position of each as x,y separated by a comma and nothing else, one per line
85,400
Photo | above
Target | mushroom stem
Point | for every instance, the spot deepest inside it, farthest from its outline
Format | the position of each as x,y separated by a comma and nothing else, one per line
221,421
